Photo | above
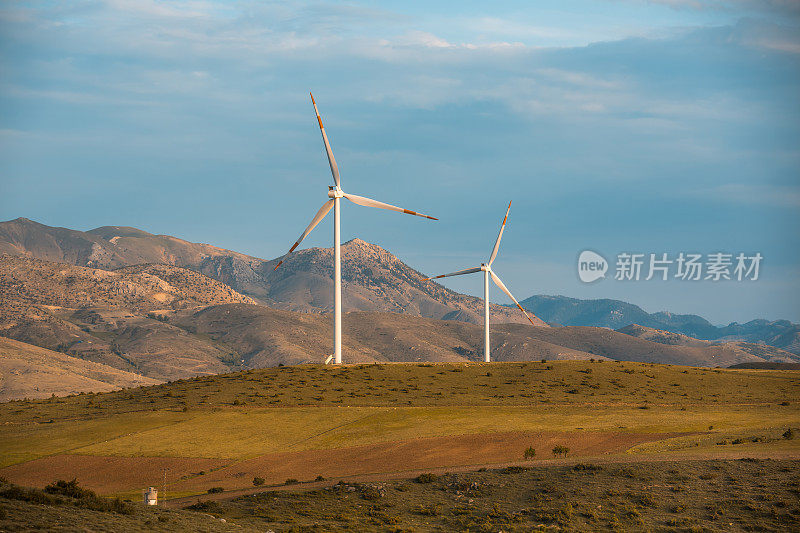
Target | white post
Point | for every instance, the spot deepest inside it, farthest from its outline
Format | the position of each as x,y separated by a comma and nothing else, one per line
337,286
486,356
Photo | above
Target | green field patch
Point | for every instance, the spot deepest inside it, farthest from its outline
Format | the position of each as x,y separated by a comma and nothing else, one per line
253,432
230,433
30,441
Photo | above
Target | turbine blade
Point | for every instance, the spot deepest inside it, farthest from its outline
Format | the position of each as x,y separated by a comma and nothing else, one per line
460,272
508,292
331,160
368,202
499,236
316,220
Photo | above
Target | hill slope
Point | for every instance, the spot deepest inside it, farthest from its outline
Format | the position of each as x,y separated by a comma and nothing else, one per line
112,318
764,351
27,371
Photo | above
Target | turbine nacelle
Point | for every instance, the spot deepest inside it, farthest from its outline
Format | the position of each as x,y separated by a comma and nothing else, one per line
335,192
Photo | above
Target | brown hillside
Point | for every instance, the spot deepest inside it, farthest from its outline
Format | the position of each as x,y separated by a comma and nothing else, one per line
265,337
763,351
142,288
616,345
112,317
27,371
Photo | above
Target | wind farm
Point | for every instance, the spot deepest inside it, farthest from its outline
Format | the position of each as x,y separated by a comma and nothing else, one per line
171,362
412,429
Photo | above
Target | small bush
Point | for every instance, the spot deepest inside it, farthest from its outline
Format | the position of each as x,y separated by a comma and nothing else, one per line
530,453
291,481
426,478
208,507
560,450
319,478
29,495
215,490
371,492
514,470
258,481
789,434
69,488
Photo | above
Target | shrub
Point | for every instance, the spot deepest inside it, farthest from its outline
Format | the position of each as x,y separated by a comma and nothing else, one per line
426,478
291,481
789,434
319,478
208,507
69,488
215,490
371,492
29,495
257,481
560,450
427,510
530,453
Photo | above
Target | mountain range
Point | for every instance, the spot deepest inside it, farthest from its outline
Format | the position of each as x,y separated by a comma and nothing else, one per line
372,278
615,314
104,308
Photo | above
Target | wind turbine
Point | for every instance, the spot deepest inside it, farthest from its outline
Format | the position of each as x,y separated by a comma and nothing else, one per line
335,193
486,268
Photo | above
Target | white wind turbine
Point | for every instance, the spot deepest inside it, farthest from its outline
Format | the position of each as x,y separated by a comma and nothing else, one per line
487,271
335,193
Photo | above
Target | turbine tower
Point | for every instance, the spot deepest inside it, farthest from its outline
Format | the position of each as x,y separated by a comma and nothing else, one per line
335,193
486,268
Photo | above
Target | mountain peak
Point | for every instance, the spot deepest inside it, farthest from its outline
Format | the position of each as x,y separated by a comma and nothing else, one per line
23,220
359,243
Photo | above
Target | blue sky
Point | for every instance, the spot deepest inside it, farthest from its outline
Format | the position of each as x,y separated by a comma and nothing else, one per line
618,125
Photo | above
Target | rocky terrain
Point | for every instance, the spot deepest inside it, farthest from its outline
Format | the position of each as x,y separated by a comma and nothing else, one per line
373,279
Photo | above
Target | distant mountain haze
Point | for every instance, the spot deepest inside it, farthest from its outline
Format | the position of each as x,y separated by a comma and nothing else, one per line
615,314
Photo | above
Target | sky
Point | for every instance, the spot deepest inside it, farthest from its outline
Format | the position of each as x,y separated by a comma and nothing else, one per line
616,126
